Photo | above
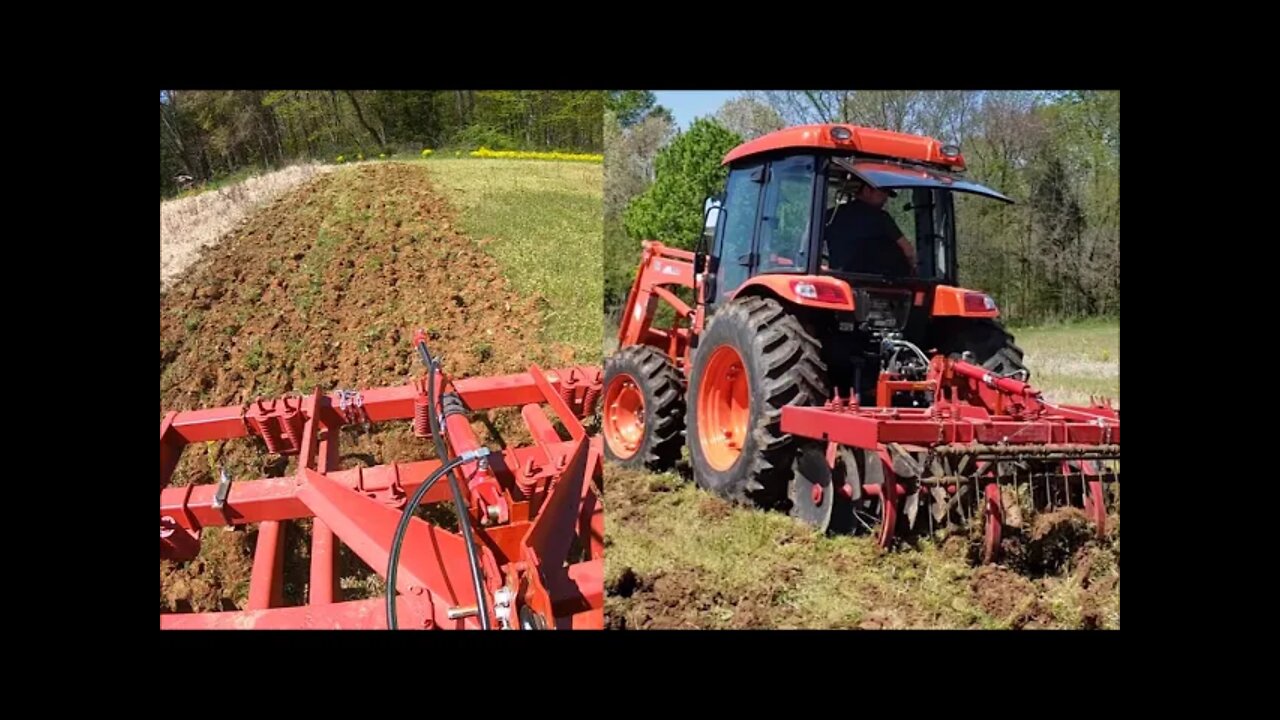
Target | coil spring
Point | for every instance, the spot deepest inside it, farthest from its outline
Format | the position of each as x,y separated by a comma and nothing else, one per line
287,421
567,387
269,435
421,416
589,400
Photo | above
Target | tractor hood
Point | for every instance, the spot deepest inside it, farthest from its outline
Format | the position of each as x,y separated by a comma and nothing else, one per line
884,174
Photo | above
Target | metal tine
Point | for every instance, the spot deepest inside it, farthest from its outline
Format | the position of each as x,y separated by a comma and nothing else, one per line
977,495
929,511
1017,496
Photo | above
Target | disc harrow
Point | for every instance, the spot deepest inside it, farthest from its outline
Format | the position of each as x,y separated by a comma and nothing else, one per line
989,450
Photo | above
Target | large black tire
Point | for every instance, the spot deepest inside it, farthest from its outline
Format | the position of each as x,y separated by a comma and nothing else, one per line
783,367
661,387
991,345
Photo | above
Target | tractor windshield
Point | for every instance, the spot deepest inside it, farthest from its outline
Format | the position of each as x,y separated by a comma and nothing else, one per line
861,230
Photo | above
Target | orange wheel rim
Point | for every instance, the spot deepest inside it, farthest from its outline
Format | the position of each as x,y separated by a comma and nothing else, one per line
624,416
724,408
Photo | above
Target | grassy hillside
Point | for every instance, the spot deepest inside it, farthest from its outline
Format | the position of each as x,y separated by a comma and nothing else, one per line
542,221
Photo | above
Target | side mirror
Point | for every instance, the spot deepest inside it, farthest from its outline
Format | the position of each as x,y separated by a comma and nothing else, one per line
716,203
712,207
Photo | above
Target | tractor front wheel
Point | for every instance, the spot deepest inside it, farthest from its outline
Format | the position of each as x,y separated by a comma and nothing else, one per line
754,359
643,409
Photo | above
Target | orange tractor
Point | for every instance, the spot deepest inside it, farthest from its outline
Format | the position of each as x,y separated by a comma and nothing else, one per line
825,370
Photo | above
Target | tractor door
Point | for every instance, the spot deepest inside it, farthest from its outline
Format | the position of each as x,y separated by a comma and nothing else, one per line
731,258
766,224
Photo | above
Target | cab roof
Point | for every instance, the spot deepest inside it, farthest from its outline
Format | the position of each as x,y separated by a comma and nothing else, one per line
851,138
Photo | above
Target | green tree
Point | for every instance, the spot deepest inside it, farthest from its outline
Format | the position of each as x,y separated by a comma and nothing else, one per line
688,170
629,106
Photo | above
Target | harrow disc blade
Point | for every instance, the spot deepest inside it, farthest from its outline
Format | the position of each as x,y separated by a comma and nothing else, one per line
938,507
810,490
859,504
910,507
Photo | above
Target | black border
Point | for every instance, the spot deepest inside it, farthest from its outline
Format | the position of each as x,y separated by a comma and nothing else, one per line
115,329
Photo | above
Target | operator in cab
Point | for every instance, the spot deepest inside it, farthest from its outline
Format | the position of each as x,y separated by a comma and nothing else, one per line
863,238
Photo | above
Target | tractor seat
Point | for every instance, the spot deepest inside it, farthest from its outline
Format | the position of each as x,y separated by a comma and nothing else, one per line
853,247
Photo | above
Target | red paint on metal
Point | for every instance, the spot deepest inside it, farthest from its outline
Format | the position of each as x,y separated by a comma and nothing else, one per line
361,506
352,615
994,523
267,584
540,428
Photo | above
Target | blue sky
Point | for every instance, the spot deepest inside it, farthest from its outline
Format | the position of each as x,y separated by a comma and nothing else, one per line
688,105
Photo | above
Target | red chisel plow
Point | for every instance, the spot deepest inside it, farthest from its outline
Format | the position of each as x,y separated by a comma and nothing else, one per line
529,550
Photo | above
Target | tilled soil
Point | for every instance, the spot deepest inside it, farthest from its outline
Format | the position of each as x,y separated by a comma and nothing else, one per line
1054,573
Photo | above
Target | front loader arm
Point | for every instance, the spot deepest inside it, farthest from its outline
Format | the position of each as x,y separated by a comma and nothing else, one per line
662,268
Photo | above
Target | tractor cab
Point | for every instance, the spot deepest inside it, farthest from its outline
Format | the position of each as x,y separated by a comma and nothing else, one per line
791,207
820,371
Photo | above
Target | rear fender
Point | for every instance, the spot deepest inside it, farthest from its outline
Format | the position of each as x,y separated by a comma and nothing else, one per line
810,291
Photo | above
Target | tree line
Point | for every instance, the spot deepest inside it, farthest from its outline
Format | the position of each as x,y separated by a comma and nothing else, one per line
206,134
1055,254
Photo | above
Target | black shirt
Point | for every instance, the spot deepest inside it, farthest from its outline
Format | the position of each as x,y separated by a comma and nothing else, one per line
864,239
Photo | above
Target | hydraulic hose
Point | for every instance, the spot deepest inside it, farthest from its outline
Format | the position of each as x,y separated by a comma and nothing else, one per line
442,451
397,541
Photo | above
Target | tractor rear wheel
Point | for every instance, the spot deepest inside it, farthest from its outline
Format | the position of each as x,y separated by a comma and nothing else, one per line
643,409
753,359
991,345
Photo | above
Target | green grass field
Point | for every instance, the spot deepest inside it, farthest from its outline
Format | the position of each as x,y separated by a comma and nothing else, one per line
1072,361
543,222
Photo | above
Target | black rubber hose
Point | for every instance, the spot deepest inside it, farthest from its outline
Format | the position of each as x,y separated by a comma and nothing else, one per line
393,562
464,518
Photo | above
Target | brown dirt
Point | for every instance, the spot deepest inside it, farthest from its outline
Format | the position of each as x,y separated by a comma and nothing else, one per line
1096,596
686,599
713,507
1053,543
217,580
324,288
1010,597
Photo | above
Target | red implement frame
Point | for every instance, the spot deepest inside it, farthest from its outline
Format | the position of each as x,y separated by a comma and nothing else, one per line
527,508
990,419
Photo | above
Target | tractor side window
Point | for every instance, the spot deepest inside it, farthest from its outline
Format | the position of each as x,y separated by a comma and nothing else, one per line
944,227
784,224
739,220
